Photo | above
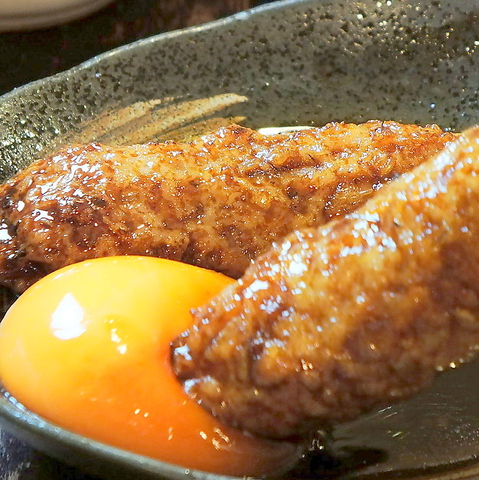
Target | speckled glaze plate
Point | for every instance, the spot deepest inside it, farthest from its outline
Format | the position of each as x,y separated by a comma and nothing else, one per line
287,63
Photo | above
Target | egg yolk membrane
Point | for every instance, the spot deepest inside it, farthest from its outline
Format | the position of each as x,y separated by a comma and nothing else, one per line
88,348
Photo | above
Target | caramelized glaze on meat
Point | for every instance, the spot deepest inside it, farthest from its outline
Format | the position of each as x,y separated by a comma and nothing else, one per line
362,312
216,202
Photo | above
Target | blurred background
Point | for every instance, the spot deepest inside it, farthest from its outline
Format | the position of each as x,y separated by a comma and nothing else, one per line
30,55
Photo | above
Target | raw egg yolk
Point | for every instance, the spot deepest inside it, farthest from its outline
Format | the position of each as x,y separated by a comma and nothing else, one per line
88,348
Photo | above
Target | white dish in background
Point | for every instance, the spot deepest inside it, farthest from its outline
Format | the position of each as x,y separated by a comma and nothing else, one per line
296,62
33,14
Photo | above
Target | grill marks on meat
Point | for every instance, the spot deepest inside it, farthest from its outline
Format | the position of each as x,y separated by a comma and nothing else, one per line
359,313
216,202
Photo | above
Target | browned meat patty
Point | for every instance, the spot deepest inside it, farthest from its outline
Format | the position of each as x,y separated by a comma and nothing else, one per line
360,313
216,202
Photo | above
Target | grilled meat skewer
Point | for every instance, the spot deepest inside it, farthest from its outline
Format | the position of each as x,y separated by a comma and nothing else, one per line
335,321
216,202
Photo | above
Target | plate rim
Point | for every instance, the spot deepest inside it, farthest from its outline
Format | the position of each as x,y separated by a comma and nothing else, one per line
160,37
15,418
72,439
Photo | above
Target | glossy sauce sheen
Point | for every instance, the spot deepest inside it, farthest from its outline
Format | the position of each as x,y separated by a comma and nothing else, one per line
217,202
88,348
360,313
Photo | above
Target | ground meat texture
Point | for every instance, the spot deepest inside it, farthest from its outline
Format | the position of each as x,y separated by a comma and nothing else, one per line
360,313
216,202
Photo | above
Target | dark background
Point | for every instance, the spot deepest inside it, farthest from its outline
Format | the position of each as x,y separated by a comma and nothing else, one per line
27,56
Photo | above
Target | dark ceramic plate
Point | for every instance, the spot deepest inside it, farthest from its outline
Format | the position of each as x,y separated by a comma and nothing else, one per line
288,63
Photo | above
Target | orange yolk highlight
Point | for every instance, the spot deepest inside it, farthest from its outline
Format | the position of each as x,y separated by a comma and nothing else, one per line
88,348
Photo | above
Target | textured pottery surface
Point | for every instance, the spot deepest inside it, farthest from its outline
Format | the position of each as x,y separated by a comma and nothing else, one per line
288,63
